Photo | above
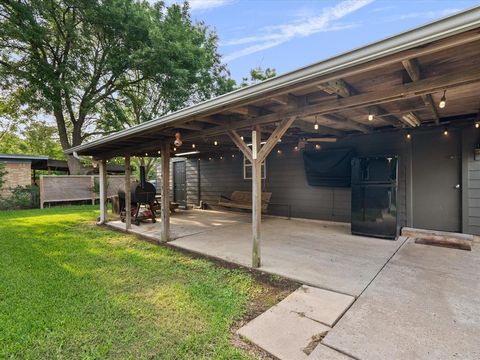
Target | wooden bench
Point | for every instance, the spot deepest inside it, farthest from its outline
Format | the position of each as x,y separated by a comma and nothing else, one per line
243,200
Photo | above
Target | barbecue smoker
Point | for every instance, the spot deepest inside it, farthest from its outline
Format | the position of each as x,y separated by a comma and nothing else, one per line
142,193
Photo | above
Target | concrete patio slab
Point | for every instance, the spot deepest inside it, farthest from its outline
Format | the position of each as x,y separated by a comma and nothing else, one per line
320,305
282,333
321,254
322,352
425,304
187,222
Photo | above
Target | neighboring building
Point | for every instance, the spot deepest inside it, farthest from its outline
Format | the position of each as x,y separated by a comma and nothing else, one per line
19,171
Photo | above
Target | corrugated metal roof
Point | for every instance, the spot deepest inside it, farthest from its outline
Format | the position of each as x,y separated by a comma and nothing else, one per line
434,31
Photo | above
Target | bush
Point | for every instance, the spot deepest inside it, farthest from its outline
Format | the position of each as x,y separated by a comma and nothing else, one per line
22,197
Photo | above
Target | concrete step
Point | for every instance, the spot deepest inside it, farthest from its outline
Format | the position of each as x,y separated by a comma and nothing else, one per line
291,329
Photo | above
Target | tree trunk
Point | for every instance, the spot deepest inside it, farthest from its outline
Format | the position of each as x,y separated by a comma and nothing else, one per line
75,166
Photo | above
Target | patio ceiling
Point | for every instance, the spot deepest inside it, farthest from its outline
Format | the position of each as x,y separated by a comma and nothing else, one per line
399,81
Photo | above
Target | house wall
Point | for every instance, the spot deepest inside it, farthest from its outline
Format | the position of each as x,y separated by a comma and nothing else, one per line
18,174
470,181
287,181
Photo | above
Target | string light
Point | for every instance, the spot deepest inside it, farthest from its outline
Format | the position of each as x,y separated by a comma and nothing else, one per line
210,159
443,100
158,152
477,125
315,126
241,137
279,140
279,151
215,143
370,116
295,148
221,157
317,146
193,146
174,149
409,136
233,155
445,132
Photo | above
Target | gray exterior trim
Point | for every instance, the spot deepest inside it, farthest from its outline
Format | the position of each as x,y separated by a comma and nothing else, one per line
449,26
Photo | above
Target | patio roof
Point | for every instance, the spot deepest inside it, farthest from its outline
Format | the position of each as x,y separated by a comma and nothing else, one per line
399,81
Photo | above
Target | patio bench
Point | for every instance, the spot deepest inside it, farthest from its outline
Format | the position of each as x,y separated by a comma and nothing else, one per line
243,200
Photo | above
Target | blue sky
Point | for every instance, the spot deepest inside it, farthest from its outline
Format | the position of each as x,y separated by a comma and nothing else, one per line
288,34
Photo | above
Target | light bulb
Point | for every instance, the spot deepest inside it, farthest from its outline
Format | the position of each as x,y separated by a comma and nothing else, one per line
295,148
477,125
443,100
370,117
193,146
315,126
317,146
241,137
215,143
174,149
279,151
221,157
233,155
445,132
409,136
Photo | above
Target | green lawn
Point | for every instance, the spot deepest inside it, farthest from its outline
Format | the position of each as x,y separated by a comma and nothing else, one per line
72,290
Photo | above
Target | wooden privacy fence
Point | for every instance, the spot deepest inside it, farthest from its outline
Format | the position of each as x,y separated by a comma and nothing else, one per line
57,188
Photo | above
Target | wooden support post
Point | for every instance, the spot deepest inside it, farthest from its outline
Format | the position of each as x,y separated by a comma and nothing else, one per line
256,199
165,191
128,195
102,170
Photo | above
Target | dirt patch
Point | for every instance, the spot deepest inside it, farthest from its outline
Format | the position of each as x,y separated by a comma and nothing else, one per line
314,341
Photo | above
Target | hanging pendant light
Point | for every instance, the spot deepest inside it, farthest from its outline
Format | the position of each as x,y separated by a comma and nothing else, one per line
315,126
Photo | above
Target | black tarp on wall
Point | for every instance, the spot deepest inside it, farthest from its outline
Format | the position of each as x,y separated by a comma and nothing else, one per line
330,167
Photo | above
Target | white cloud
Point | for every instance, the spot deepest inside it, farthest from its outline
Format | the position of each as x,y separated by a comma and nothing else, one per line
275,35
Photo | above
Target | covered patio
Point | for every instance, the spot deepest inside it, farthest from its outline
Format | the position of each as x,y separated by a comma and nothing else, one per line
318,253
397,88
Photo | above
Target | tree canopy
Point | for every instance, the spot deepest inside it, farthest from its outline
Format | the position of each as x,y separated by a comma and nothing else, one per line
73,59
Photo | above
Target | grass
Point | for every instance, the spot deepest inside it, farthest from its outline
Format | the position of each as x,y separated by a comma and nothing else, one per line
72,290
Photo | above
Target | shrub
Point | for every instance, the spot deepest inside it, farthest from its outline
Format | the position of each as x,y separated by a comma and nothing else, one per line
22,197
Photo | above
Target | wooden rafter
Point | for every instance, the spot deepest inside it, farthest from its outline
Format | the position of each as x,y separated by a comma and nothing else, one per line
274,137
412,66
404,91
241,144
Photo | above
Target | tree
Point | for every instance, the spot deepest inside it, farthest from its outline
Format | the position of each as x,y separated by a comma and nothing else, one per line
67,57
257,75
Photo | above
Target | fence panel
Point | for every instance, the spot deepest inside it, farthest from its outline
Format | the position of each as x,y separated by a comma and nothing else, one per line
58,188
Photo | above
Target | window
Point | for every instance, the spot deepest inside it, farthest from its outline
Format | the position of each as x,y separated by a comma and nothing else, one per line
247,169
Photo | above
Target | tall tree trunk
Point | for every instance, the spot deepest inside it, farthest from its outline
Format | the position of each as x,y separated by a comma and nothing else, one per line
74,165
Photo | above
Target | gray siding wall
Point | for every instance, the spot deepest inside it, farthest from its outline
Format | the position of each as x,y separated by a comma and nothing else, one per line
471,182
287,182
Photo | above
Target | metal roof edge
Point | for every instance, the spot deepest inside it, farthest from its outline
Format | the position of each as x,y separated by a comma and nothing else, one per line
23,157
433,31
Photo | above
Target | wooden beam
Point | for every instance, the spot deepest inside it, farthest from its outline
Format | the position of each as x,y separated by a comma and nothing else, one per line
348,122
248,110
274,137
344,90
102,171
190,126
307,126
394,93
412,66
256,199
241,145
128,196
165,192
339,87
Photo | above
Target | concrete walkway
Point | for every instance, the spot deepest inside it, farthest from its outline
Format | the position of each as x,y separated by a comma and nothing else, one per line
425,304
